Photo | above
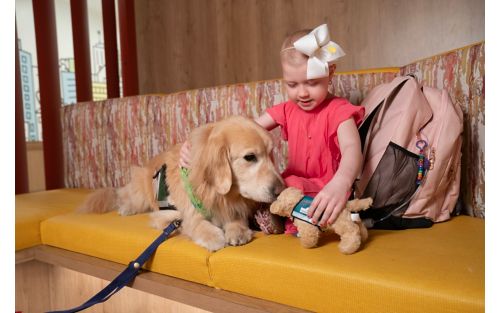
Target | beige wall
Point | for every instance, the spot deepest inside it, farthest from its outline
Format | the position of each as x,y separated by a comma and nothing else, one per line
185,44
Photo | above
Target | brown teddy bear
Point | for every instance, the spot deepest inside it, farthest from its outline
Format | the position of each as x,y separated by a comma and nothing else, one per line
352,233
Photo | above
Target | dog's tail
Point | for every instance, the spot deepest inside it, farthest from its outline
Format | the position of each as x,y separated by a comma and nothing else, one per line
357,205
100,201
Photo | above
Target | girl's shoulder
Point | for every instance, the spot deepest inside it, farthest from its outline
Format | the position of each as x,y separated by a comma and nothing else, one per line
339,101
338,104
340,109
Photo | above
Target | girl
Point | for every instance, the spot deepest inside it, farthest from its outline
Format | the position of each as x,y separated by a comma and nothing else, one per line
324,150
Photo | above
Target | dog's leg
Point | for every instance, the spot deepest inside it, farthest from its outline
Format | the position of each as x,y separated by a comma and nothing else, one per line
203,233
131,201
309,234
357,205
237,233
136,196
349,232
161,219
363,231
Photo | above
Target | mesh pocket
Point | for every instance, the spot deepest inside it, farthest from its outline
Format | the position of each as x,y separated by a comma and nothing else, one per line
393,182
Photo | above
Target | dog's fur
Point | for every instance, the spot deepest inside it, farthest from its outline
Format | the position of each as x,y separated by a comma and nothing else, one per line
231,170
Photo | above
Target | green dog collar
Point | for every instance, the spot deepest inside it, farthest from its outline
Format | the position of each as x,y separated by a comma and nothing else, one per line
198,205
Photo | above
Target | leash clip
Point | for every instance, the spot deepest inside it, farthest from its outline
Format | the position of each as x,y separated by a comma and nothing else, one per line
177,223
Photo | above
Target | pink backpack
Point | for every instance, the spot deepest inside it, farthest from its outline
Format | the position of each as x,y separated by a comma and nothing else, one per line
411,138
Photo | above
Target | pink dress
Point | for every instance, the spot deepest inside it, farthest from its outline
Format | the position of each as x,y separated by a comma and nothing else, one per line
313,146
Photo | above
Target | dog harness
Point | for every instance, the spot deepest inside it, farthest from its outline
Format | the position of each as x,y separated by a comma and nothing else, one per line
160,187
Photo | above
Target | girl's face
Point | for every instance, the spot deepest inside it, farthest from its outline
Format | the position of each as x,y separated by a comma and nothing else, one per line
306,93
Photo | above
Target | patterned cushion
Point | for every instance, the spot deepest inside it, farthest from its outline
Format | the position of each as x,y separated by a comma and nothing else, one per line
103,139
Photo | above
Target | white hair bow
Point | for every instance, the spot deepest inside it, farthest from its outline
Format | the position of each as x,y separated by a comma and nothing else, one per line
320,49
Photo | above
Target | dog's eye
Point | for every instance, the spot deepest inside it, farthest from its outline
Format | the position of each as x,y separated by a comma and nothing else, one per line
250,157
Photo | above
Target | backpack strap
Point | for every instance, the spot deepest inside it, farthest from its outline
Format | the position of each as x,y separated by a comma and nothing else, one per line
403,123
379,95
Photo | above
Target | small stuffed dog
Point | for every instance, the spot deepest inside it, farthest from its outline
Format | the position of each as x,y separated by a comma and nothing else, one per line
352,233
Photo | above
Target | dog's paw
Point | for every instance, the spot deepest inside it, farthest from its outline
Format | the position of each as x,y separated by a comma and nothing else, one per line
237,234
125,211
212,238
161,219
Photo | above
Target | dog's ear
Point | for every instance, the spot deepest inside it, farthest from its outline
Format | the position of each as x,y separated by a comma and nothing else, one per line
211,160
218,167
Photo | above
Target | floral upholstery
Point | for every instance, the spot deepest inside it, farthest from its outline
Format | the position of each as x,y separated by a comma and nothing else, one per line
103,139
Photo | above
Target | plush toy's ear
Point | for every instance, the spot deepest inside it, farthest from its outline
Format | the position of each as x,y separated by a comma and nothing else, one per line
211,161
276,208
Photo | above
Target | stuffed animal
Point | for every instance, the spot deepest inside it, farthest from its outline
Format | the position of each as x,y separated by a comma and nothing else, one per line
352,231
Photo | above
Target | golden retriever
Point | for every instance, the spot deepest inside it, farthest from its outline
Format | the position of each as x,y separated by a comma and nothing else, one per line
231,171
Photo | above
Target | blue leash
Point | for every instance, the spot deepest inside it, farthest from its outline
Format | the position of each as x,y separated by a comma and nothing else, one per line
128,274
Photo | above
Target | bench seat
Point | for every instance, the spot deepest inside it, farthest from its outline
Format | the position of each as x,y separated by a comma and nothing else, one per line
440,269
121,239
33,208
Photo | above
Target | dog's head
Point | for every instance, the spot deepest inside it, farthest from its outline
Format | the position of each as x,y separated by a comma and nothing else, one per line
234,156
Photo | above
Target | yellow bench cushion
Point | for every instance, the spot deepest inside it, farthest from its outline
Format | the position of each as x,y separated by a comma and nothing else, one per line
440,269
122,238
33,208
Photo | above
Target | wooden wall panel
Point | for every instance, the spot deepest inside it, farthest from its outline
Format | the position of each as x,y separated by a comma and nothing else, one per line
185,44
396,33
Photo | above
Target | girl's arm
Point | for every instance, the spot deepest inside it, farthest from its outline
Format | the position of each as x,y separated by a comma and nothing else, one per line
331,200
266,121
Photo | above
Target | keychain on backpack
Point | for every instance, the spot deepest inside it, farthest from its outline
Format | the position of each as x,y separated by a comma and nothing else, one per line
421,145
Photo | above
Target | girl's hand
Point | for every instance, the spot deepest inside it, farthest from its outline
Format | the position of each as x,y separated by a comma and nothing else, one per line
328,203
331,200
185,155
